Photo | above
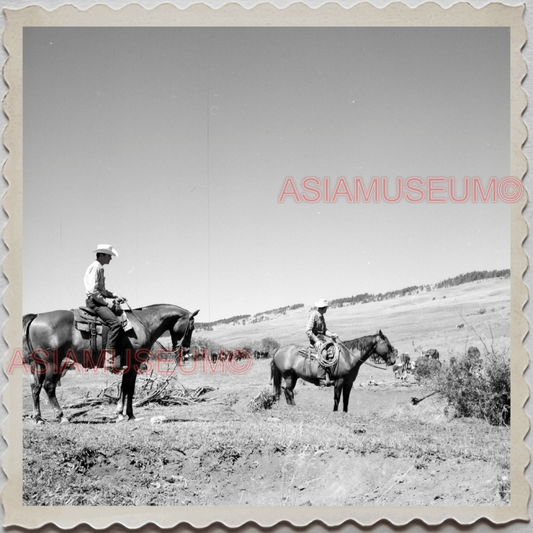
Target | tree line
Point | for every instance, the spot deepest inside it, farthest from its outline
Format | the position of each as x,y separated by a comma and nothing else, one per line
363,298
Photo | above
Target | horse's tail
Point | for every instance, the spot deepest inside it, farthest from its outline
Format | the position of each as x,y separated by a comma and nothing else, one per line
275,376
27,347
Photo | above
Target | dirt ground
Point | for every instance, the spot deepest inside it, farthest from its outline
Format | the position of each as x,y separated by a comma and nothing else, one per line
384,451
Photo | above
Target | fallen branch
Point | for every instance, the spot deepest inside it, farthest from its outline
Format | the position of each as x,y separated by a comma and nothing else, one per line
92,402
82,412
416,401
166,395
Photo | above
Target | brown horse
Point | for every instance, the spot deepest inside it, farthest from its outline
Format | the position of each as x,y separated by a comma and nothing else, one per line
51,338
290,366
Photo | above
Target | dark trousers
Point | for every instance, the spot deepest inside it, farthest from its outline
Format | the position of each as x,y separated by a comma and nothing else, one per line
110,320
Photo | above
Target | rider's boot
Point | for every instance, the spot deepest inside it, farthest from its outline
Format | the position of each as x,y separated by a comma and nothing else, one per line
326,382
112,363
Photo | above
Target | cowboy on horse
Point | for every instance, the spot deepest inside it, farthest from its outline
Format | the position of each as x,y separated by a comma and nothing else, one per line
96,301
317,331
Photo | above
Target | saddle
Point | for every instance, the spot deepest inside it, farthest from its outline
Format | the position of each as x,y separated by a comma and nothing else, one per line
308,352
87,321
85,317
329,352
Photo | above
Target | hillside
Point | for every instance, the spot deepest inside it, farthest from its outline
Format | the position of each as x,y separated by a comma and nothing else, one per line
476,275
412,323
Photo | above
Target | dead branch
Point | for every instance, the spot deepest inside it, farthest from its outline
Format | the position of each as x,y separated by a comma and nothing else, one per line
416,401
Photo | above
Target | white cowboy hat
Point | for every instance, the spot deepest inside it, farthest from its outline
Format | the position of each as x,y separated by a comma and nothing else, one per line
105,249
322,303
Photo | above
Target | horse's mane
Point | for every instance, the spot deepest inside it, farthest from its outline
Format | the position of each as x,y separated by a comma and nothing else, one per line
355,343
144,307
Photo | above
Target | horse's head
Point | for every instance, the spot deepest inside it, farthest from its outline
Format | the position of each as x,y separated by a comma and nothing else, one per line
385,349
181,332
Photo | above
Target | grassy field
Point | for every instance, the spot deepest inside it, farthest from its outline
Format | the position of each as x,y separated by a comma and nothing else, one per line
422,321
384,451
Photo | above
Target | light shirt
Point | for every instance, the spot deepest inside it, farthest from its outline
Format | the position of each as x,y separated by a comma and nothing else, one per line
316,326
95,283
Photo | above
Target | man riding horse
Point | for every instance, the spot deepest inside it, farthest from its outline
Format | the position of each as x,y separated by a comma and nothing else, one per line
97,296
317,331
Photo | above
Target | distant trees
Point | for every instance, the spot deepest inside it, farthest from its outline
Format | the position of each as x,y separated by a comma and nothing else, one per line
360,298
415,289
208,326
473,276
242,320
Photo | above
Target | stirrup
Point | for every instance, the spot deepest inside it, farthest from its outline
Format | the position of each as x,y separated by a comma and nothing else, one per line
112,363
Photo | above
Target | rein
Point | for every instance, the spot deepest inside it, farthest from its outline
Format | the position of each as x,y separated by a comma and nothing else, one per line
174,350
358,358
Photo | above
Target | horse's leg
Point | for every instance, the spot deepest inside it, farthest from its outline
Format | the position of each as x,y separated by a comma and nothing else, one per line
337,394
275,376
37,380
131,391
121,404
50,382
290,383
346,390
125,406
349,380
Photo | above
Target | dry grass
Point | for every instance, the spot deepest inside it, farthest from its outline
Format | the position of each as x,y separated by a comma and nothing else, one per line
176,462
68,465
423,321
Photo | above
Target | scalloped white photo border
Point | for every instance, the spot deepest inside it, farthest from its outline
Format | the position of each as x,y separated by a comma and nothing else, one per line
396,14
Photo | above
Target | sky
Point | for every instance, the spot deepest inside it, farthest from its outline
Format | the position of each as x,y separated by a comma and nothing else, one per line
173,145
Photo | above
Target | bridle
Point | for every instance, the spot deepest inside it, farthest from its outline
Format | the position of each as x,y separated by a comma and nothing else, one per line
358,358
175,348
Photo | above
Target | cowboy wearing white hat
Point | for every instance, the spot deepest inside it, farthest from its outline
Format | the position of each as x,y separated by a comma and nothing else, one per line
317,331
97,295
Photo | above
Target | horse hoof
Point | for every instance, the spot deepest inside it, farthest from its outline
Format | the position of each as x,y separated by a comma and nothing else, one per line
122,418
64,420
39,421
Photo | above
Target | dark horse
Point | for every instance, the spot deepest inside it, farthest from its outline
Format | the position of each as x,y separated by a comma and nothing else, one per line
50,338
290,366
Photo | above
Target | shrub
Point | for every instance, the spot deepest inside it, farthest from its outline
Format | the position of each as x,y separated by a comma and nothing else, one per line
426,368
269,344
478,387
204,343
248,348
264,400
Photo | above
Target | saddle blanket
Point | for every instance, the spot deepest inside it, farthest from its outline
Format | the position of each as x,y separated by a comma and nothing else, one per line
87,320
308,352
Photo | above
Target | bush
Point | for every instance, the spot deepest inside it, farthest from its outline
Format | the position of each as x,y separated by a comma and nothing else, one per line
478,387
248,348
269,344
204,343
264,400
426,368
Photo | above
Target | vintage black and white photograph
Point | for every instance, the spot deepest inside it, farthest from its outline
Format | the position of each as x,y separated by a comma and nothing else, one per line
267,266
